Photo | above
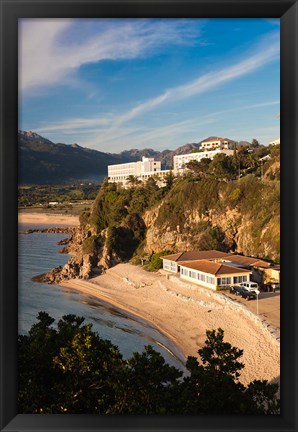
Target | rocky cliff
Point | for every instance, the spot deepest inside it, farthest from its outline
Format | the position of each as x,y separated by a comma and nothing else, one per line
240,216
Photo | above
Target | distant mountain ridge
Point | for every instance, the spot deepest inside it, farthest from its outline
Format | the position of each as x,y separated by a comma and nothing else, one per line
43,162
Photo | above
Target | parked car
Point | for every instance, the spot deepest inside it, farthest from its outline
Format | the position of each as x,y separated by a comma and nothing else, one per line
237,290
248,295
250,286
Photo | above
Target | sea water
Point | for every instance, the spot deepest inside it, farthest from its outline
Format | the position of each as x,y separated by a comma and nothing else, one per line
38,253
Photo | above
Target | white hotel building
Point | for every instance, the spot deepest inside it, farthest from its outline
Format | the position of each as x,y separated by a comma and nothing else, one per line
218,143
149,167
181,161
142,170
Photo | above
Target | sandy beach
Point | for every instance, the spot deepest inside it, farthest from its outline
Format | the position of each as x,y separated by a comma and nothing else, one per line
47,218
184,311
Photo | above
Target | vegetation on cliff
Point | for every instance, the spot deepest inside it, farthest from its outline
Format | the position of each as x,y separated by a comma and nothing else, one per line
202,210
69,369
243,215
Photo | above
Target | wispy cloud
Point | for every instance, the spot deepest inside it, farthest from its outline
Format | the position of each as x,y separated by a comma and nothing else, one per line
50,51
109,129
76,124
168,135
266,51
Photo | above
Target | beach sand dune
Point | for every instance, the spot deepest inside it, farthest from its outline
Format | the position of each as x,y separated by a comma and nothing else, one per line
184,312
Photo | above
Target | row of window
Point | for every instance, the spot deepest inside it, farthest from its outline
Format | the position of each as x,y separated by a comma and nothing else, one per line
197,275
240,279
211,280
224,281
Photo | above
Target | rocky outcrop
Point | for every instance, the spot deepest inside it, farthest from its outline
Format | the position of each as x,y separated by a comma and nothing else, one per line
238,231
108,258
52,230
79,266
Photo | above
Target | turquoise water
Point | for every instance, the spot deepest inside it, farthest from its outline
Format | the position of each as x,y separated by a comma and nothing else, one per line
38,253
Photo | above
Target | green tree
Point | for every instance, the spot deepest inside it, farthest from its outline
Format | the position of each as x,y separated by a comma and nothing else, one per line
255,143
169,178
223,167
199,167
213,386
152,385
155,261
70,369
132,180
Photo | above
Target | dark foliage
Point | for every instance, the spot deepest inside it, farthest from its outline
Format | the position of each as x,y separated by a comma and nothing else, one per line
70,369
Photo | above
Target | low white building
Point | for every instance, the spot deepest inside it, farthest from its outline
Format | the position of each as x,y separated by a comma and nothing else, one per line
180,161
213,274
213,268
172,262
218,143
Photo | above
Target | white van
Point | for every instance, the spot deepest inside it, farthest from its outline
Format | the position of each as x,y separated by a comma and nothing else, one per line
250,286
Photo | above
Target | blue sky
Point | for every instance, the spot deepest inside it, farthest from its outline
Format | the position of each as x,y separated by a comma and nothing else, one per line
117,84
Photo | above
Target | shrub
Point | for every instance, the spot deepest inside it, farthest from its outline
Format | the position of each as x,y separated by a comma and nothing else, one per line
92,244
155,261
84,218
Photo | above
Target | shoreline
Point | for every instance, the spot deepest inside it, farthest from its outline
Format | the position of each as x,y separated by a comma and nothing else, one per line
174,350
183,314
47,218
86,287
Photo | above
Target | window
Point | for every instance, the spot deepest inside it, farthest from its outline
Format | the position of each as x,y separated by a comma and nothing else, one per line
224,281
240,279
201,277
166,264
210,280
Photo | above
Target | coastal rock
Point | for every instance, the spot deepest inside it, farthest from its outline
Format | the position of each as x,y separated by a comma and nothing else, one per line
108,259
51,230
65,241
86,267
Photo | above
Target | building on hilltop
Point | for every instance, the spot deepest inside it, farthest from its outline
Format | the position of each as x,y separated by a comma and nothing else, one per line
148,167
141,170
218,143
180,161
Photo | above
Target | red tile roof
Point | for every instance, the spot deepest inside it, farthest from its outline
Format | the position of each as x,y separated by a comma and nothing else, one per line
213,268
275,267
246,261
196,255
173,257
212,140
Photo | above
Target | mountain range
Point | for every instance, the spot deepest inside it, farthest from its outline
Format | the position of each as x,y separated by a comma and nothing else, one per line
43,162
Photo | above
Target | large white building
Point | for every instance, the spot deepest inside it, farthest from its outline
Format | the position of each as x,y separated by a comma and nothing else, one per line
148,167
218,143
142,170
180,161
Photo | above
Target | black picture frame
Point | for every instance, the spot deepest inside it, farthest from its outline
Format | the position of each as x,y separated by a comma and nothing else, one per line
11,11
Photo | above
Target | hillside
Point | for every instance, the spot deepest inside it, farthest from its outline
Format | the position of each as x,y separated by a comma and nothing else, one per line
43,162
190,212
